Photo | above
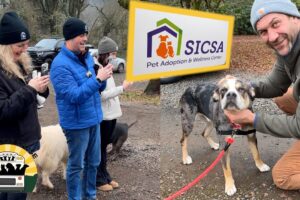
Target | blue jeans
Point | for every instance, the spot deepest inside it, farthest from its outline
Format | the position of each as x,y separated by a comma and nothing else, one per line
84,157
19,195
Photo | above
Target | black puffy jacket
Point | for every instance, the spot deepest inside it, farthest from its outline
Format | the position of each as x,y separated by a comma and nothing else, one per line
19,122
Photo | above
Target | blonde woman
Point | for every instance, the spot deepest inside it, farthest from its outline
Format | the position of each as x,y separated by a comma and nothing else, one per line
19,123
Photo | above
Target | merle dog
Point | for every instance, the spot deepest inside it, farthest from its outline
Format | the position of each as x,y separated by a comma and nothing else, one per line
210,101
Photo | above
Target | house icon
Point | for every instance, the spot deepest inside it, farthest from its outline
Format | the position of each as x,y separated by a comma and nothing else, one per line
169,27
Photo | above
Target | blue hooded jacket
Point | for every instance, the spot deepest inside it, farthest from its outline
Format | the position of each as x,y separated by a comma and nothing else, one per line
77,90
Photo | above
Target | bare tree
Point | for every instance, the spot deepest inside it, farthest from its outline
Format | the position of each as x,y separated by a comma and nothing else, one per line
107,19
53,12
49,7
73,8
25,10
4,3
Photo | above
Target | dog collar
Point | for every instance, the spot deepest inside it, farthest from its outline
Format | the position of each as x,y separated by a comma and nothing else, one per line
236,132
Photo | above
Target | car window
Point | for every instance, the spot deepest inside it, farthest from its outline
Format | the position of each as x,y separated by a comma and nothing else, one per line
46,43
93,52
60,44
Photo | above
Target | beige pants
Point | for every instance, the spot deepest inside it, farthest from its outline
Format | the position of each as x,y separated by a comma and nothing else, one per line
286,172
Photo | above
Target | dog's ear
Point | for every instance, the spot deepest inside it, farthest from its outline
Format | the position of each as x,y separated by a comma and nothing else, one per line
251,92
228,76
216,95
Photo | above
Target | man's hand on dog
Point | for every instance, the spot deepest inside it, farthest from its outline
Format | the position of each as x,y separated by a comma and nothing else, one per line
242,117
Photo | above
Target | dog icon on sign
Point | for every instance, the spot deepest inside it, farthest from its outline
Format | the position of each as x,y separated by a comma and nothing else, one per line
165,47
162,50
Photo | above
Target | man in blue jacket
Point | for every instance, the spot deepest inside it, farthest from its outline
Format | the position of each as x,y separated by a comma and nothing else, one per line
79,107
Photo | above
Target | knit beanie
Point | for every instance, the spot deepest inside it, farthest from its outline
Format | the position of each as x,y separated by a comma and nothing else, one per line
74,27
261,8
12,29
107,45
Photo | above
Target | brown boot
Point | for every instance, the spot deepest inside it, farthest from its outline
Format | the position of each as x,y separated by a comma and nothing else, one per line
105,188
114,184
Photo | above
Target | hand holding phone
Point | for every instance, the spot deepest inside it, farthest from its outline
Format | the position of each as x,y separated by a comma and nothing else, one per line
44,69
105,72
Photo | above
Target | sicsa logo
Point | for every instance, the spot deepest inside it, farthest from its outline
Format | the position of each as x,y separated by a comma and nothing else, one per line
165,39
18,171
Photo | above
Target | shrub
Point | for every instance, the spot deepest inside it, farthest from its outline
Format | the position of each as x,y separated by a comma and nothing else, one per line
241,11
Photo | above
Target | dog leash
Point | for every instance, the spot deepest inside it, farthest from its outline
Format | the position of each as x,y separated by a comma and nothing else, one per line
229,141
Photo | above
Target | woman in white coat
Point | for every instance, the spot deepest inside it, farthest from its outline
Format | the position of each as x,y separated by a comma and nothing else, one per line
107,50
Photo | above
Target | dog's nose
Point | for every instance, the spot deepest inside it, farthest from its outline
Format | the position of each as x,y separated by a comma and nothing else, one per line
231,95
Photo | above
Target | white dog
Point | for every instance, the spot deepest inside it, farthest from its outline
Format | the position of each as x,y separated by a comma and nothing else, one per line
53,152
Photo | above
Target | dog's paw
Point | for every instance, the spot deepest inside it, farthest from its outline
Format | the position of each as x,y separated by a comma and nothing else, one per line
187,161
47,184
263,168
230,190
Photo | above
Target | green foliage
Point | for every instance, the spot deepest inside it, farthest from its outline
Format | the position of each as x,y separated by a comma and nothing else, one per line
241,11
125,3
297,2
210,6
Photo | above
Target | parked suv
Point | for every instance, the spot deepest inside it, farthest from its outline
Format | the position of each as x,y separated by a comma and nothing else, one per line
45,50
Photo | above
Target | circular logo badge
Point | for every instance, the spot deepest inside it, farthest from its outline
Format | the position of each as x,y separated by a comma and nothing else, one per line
23,36
18,170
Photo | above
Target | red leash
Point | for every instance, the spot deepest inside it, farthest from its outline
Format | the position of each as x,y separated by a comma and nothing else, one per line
229,141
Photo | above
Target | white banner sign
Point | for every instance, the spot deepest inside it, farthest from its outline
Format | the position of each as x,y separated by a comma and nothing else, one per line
168,41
